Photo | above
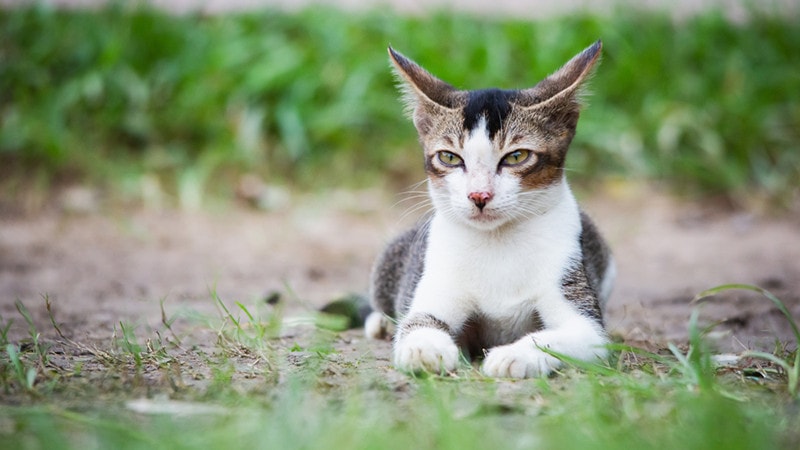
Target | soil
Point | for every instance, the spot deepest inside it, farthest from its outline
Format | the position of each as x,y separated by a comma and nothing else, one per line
100,269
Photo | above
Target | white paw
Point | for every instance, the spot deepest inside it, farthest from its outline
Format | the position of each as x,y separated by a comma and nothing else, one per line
378,326
519,360
426,349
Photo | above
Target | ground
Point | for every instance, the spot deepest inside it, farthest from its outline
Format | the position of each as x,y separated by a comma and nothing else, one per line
99,269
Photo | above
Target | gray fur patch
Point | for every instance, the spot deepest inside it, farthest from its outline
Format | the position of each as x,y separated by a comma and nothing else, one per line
480,333
397,272
578,291
596,254
581,284
417,321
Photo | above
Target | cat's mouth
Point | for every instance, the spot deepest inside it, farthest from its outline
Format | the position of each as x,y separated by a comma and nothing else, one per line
485,217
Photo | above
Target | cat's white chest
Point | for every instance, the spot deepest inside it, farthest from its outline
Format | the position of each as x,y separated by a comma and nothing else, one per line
503,275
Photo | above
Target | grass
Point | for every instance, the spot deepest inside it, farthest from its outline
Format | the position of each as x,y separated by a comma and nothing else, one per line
675,398
163,108
791,369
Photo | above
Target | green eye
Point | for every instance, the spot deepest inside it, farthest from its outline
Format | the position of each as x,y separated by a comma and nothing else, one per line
516,157
449,158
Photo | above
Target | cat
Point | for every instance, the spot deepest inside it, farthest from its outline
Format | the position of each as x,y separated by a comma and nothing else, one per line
508,264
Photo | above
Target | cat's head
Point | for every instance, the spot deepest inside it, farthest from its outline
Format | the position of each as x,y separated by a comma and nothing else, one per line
495,156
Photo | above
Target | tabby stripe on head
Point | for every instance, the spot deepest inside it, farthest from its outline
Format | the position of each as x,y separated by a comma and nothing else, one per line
546,171
431,169
421,320
542,160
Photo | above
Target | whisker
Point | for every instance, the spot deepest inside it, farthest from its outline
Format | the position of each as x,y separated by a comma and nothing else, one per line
413,193
424,227
427,205
419,183
414,187
414,197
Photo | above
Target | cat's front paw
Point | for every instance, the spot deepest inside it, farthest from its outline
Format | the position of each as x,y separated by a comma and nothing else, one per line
520,359
426,350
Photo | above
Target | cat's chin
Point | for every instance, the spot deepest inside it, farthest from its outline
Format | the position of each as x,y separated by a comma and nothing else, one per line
486,221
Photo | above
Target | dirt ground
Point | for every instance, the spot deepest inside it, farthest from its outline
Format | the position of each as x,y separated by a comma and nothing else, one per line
102,268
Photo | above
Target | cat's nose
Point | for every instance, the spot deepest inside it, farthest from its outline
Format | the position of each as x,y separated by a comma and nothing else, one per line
480,198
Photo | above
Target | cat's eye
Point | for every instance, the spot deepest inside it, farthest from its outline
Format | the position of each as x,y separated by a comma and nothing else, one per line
516,157
449,158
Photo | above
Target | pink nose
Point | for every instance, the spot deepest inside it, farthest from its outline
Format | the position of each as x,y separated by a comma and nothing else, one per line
480,198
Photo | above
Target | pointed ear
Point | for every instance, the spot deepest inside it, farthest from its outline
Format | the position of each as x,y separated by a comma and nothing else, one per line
419,86
562,88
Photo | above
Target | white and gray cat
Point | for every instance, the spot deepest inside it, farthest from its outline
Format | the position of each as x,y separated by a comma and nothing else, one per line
508,264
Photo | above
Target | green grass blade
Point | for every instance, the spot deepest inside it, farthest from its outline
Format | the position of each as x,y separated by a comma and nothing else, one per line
682,359
246,311
13,357
587,366
50,314
792,371
30,377
4,327
227,312
769,357
23,310
748,287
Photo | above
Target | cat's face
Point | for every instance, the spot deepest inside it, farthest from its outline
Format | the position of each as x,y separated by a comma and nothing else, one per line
494,156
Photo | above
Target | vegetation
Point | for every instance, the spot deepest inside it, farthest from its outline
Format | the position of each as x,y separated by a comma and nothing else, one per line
136,100
256,389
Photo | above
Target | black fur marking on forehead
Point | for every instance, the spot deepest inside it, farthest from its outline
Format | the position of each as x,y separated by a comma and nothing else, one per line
493,104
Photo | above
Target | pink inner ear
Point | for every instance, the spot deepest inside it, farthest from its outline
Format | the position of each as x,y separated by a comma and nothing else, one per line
425,85
565,80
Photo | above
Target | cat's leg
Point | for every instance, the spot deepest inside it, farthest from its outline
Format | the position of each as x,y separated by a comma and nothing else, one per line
425,336
577,338
572,327
425,344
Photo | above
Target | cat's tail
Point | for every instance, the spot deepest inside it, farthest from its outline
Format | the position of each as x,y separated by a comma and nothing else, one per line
353,308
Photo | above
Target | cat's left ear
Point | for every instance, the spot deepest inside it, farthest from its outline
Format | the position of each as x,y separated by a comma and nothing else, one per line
561,90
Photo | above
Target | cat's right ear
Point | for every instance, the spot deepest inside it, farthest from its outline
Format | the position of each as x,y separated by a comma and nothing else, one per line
561,90
420,88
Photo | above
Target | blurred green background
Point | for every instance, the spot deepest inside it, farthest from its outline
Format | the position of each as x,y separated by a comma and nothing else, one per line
135,100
